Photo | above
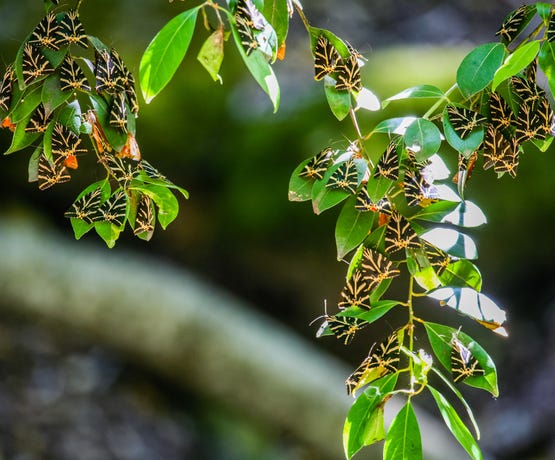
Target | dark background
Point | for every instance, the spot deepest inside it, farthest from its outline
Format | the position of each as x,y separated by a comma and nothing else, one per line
223,144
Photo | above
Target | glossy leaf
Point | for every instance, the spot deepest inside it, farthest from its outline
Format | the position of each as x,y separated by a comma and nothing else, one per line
377,310
52,96
423,138
456,425
440,337
300,188
462,273
108,232
324,197
259,68
351,228
27,105
21,138
394,125
116,137
211,54
452,242
436,212
165,200
473,304
477,69
276,12
544,10
339,101
416,92
546,60
365,421
403,441
515,62
165,52
466,146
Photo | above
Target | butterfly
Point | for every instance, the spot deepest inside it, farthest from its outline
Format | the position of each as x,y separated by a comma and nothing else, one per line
53,173
247,11
66,144
34,65
326,58
118,112
465,166
87,208
500,153
355,293
417,191
39,120
249,41
399,234
534,122
72,76
71,30
463,363
502,117
464,120
527,90
6,88
345,177
345,327
124,170
513,24
348,75
107,73
376,268
383,361
317,166
388,164
437,258
364,203
45,33
145,218
114,210
151,171
131,93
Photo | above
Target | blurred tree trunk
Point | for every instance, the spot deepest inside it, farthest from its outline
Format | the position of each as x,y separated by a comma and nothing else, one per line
190,332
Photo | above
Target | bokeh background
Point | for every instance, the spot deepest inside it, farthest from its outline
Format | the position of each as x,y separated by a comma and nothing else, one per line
65,393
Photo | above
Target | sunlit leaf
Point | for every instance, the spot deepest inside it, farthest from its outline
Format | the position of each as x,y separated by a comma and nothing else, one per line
351,228
394,125
365,422
423,138
474,304
515,62
165,52
466,214
477,69
416,92
456,425
462,273
339,101
452,242
403,441
211,54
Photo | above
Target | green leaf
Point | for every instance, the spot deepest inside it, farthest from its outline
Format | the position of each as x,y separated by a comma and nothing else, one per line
339,44
467,146
27,105
277,13
544,10
259,68
165,52
300,188
477,69
440,338
21,138
452,242
166,201
416,92
324,197
351,228
80,227
546,60
211,54
515,62
403,441
70,116
52,96
456,425
108,232
396,125
436,212
365,421
423,137
473,304
339,101
33,168
377,310
462,273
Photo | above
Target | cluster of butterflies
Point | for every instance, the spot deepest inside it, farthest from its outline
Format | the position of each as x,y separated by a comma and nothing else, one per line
506,129
344,69
384,359
51,56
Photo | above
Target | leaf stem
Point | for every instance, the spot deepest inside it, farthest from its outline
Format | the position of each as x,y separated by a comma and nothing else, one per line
303,17
439,102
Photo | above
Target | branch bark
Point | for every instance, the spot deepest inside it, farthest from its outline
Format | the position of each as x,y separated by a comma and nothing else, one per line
201,338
